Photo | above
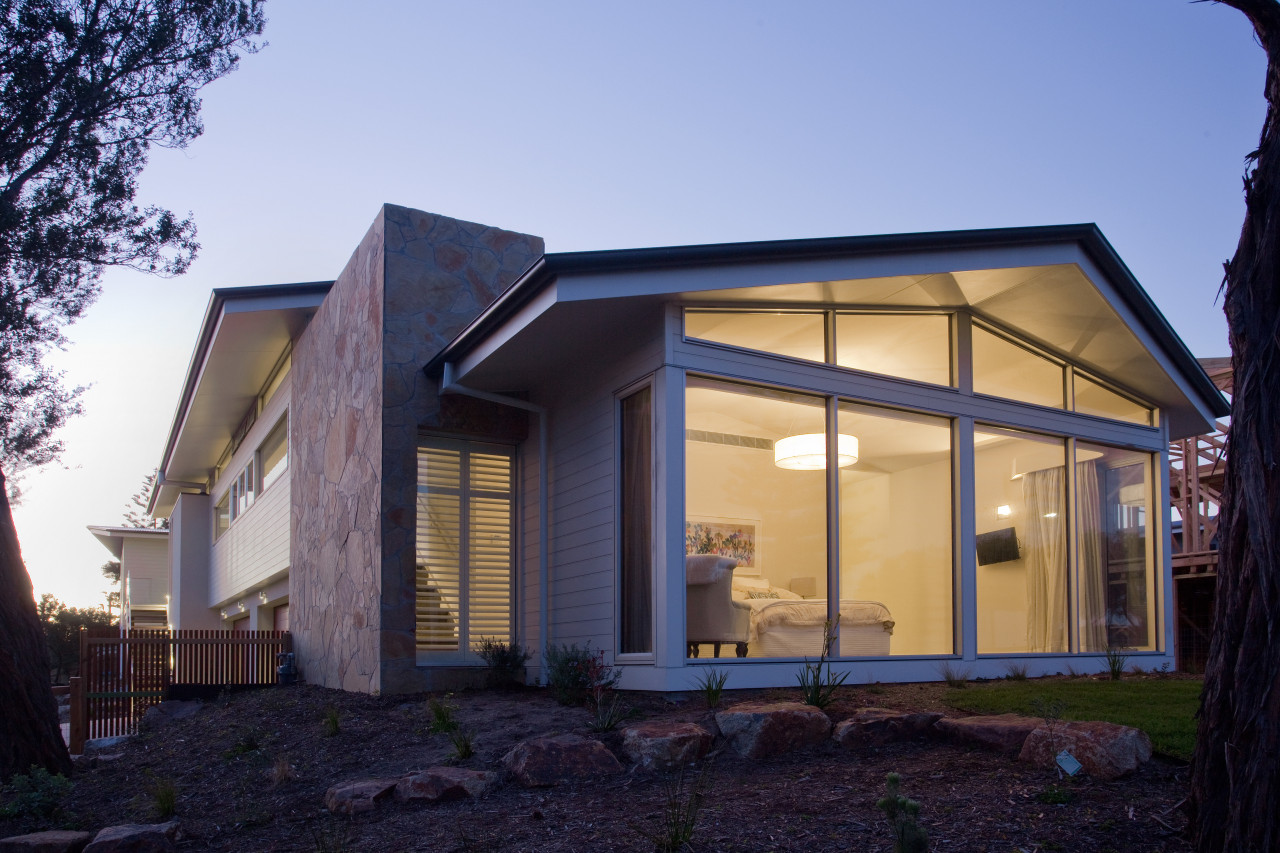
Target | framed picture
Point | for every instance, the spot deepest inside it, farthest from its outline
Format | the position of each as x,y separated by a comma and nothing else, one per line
738,538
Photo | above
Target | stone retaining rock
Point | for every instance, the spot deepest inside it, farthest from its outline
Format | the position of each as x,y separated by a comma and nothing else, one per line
1004,733
136,838
359,796
438,784
545,761
160,715
1107,750
878,726
665,746
54,841
762,729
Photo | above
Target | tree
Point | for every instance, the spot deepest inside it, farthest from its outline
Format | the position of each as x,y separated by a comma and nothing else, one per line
1235,774
62,626
137,514
86,88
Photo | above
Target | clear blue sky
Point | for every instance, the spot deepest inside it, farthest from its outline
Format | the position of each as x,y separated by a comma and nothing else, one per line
610,125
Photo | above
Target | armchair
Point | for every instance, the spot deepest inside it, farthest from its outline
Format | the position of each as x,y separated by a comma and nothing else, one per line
712,615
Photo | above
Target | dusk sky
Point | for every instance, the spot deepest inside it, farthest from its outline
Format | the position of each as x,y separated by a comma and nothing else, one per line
609,125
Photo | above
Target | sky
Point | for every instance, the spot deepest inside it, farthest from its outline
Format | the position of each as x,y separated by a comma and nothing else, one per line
619,125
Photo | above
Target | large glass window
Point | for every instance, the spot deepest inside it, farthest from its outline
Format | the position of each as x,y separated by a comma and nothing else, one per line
1116,562
896,553
1020,493
1002,368
910,346
273,455
636,506
755,495
464,516
795,334
1095,399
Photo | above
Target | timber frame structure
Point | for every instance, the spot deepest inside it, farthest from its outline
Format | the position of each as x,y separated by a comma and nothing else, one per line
1196,469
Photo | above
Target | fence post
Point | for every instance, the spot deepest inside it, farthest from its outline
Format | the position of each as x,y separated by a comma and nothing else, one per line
79,716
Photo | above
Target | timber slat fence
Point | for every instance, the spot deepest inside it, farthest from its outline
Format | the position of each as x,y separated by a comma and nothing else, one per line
123,673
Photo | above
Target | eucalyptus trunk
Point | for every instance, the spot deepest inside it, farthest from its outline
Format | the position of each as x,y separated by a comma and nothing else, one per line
1235,780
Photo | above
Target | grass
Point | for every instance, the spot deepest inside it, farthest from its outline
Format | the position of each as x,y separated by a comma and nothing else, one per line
1163,708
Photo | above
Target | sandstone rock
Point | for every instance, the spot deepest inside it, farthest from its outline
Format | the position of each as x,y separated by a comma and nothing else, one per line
93,746
546,761
54,841
164,713
878,726
1107,750
761,729
1004,733
446,783
136,838
359,796
665,746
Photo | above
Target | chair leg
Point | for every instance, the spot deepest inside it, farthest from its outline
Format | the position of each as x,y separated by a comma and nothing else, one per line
716,646
741,650
693,650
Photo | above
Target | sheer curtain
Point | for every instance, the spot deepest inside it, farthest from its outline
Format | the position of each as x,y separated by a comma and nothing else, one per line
1093,569
637,524
1046,561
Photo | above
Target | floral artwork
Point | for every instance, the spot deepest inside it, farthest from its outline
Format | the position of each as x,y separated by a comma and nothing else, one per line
725,537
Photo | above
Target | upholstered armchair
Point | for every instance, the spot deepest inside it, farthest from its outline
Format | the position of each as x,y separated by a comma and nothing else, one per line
711,613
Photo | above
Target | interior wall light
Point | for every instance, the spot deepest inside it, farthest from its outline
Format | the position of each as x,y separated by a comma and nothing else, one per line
808,452
1004,511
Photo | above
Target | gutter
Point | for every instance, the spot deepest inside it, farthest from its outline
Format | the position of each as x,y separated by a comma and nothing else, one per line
450,385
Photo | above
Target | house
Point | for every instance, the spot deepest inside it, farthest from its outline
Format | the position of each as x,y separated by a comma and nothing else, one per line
952,447
143,554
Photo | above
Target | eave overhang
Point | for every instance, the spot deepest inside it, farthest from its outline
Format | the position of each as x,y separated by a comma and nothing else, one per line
567,289
244,332
112,538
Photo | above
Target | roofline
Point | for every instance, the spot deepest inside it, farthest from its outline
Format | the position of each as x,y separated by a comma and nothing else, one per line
122,530
217,300
1087,235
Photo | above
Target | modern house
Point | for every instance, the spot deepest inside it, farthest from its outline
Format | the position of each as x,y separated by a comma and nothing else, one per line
947,446
143,554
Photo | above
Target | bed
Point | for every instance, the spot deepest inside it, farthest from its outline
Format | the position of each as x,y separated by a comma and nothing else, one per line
785,625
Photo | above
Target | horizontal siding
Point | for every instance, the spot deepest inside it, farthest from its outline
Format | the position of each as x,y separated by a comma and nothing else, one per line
145,564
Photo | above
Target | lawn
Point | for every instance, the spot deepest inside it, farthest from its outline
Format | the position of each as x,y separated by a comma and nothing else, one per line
1164,708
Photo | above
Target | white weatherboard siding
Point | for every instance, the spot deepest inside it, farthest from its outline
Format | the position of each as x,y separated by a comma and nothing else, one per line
147,569
255,549
583,464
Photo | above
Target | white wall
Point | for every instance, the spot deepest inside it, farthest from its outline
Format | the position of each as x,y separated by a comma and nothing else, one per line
255,550
145,567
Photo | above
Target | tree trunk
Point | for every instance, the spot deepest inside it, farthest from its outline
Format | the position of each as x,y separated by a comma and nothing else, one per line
1235,781
30,734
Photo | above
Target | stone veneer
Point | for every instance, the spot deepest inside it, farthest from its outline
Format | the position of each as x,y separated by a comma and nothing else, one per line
360,402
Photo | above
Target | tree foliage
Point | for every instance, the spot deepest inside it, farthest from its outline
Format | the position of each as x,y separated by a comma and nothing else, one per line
1235,778
136,513
62,626
86,88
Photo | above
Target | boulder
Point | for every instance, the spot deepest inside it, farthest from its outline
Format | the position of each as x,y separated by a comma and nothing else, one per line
94,746
1003,733
54,841
878,726
762,729
361,795
445,783
546,761
1106,750
665,746
136,838
160,715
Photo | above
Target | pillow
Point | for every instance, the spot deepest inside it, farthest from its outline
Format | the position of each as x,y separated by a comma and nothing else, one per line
762,593
786,594
749,583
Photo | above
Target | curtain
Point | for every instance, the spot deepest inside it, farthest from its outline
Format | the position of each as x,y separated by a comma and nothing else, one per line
1046,560
1093,566
636,630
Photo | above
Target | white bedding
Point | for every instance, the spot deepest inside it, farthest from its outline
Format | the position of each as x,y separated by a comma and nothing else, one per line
767,613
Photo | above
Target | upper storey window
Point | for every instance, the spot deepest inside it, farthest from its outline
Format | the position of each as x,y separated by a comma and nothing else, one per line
1002,368
800,334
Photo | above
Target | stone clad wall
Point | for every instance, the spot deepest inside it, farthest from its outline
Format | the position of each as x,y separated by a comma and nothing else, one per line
360,401
334,469
441,274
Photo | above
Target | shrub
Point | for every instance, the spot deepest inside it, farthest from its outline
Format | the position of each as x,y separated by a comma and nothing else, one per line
1116,659
908,835
35,798
282,770
462,745
442,719
1015,671
329,726
574,674
505,661
681,803
164,798
817,682
954,676
711,682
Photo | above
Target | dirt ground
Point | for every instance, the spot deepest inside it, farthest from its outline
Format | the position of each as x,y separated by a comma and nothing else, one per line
250,772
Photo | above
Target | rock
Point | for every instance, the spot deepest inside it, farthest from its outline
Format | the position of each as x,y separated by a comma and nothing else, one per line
761,729
359,796
446,783
1107,750
1004,733
545,761
54,841
136,838
164,713
93,746
665,746
878,726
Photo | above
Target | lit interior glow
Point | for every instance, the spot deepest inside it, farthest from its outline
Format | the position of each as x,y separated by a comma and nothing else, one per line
808,452
1004,511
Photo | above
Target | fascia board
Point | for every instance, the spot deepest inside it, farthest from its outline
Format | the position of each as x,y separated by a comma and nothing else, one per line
541,302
